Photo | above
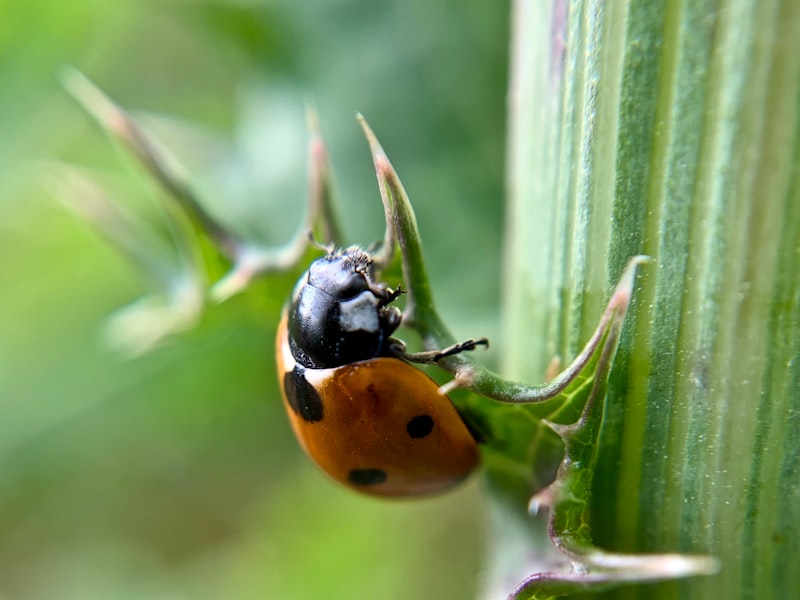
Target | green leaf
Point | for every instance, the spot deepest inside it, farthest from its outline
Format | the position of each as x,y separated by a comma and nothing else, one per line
669,129
573,563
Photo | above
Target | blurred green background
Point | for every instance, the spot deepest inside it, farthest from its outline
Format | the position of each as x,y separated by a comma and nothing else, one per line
175,475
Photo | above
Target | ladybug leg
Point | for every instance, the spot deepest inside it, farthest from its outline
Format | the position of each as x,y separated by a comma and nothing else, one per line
434,356
382,291
390,295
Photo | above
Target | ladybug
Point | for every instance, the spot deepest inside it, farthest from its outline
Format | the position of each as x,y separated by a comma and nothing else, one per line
367,417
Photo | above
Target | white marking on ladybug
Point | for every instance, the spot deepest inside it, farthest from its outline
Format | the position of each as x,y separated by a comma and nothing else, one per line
359,314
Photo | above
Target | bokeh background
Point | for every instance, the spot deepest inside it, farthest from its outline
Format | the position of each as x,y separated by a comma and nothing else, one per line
175,475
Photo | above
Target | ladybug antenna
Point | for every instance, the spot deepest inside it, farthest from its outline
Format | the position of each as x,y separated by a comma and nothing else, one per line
315,243
375,246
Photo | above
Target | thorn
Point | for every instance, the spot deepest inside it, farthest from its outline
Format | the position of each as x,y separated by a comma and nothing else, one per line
233,283
463,378
563,431
553,368
541,499
622,293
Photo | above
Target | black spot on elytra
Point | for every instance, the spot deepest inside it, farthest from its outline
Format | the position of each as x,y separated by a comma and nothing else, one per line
302,396
420,426
367,476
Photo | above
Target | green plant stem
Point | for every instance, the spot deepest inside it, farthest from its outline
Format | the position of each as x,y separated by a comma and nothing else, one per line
673,130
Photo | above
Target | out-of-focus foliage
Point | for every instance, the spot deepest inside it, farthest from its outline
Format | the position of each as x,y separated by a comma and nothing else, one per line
175,475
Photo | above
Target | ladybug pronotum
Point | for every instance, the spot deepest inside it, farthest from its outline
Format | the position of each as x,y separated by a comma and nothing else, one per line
367,417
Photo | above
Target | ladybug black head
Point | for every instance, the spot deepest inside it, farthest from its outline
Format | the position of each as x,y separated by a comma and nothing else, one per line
342,274
338,314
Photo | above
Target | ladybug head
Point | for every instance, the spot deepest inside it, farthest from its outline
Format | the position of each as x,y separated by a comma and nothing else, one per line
342,274
339,314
